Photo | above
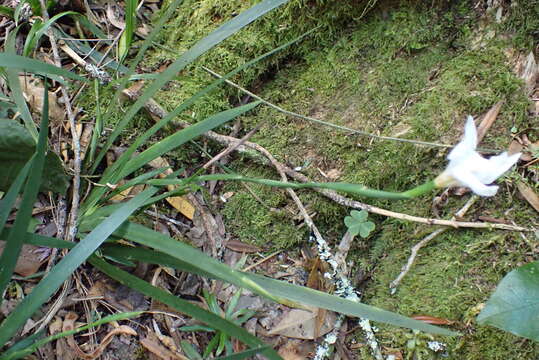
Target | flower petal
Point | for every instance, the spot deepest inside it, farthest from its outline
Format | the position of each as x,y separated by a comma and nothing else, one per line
468,142
497,166
470,180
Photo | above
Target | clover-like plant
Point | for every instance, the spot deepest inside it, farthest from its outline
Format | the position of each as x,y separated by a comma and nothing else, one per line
357,223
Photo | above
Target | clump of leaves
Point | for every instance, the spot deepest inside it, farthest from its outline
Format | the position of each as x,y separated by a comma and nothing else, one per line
221,340
357,223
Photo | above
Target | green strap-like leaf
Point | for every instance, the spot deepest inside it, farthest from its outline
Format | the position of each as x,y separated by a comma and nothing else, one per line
35,66
59,273
223,32
183,306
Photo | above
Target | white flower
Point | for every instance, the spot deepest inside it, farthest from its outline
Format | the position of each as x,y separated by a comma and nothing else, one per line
468,168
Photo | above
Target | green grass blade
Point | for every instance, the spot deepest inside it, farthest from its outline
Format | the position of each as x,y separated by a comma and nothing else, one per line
190,351
30,349
272,289
34,66
181,305
67,265
17,96
181,137
223,32
6,204
186,258
34,37
11,252
186,104
130,22
116,172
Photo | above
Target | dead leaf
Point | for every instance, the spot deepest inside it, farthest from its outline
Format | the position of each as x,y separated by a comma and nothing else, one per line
433,320
530,72
240,246
180,203
33,91
69,324
30,259
296,350
302,324
151,343
487,120
529,194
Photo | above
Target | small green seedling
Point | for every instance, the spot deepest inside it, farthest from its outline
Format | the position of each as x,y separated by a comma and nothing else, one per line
357,223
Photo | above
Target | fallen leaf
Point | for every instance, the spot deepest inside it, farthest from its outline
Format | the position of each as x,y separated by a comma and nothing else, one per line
295,350
33,91
69,324
240,246
302,324
180,203
433,320
151,343
30,259
487,120
528,194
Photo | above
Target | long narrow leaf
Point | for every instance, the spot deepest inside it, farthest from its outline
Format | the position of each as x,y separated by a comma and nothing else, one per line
127,36
35,66
196,262
114,174
31,41
272,289
12,355
183,306
17,96
68,264
6,204
223,32
186,104
11,252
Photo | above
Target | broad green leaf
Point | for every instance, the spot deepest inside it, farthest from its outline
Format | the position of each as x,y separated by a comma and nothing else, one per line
6,204
182,305
35,66
514,306
59,273
16,148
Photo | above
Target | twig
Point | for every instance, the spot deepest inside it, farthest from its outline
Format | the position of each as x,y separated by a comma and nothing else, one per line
233,147
157,112
425,241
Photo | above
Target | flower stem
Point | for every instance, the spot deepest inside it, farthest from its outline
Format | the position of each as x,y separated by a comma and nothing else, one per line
421,189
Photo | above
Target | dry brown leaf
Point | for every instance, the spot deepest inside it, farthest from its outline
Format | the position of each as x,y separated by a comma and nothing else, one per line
528,194
30,259
180,203
530,72
487,120
240,246
302,324
151,343
33,92
69,324
295,350
433,320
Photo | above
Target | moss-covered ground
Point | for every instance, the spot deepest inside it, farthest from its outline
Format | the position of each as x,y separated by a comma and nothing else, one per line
404,69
